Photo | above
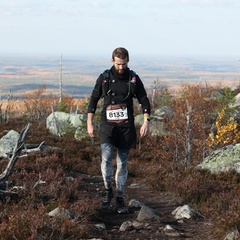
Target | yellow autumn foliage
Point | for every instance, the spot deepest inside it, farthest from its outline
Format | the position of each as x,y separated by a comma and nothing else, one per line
227,132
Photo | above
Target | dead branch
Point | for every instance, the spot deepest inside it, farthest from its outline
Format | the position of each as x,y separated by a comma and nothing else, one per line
37,149
16,153
40,181
4,194
6,112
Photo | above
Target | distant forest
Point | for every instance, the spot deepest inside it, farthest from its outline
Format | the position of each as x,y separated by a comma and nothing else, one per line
23,74
71,90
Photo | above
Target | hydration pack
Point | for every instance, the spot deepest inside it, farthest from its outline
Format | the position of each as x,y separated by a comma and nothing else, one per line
106,84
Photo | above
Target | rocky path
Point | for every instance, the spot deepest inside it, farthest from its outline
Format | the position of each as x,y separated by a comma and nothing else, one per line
109,225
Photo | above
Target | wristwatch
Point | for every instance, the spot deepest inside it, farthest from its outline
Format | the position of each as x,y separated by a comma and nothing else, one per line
147,119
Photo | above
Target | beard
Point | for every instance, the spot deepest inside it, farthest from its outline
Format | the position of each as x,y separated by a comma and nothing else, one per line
120,71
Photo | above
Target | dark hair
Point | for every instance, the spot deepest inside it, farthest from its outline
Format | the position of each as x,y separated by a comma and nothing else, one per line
120,53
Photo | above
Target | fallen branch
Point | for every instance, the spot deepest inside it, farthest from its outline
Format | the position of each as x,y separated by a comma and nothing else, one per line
4,194
40,181
16,153
25,151
37,149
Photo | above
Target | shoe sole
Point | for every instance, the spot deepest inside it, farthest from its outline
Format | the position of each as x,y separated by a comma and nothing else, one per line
123,210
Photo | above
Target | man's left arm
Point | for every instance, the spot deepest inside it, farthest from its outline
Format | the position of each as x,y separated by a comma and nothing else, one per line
146,108
144,130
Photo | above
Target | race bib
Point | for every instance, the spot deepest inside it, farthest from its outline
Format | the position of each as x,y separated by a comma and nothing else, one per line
117,113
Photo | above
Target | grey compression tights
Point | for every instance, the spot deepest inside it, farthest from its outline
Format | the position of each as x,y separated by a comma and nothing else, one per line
107,167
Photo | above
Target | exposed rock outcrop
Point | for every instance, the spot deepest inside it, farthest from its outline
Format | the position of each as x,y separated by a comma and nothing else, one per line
223,160
8,142
61,123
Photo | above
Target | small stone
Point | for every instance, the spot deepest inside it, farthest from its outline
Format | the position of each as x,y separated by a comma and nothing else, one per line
146,213
126,226
61,213
133,185
100,225
137,225
168,227
135,203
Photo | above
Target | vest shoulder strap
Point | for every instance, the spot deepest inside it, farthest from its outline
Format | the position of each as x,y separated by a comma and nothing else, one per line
106,82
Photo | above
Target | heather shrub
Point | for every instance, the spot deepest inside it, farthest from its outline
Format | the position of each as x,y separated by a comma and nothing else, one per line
54,177
46,180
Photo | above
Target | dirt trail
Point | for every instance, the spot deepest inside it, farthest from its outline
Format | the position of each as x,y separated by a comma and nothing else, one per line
163,203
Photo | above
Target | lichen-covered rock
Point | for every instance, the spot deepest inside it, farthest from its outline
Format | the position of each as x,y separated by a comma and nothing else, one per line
223,160
60,123
8,142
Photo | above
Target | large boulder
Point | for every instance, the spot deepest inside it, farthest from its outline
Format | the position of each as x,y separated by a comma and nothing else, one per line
223,160
157,126
163,112
237,101
8,142
61,123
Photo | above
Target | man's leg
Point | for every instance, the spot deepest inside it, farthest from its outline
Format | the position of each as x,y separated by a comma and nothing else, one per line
107,173
121,178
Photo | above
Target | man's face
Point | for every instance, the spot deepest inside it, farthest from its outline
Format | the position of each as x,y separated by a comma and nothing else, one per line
120,65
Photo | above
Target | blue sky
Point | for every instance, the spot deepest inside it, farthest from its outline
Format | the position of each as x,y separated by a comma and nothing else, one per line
144,27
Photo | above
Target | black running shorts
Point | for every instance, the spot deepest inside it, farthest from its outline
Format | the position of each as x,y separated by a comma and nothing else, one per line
120,137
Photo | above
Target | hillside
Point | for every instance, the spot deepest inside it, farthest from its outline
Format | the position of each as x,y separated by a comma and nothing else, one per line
162,171
72,181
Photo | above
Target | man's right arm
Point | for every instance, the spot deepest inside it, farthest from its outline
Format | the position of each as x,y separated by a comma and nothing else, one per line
95,96
90,126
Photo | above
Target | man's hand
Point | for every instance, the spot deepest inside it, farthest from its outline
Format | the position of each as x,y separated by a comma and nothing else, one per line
90,129
144,130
